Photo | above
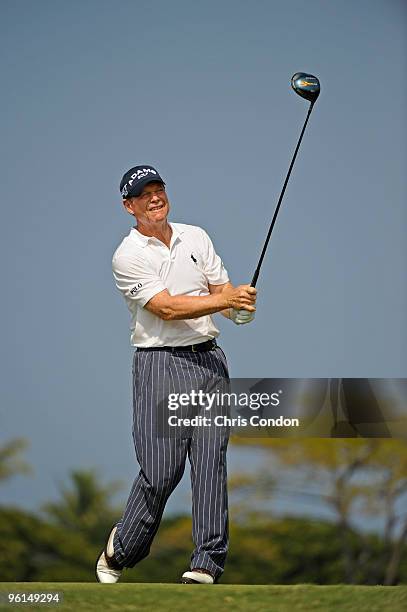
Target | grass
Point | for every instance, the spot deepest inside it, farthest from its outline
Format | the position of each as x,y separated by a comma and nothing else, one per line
184,598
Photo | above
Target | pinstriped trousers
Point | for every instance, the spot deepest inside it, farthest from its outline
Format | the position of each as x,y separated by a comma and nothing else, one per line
162,457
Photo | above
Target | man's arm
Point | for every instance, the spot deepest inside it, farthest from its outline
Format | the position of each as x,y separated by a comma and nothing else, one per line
178,307
216,289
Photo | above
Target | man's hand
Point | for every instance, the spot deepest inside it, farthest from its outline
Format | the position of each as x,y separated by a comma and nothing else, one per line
240,317
241,302
240,298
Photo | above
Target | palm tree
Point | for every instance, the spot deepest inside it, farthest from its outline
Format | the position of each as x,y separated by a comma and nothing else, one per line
86,506
11,462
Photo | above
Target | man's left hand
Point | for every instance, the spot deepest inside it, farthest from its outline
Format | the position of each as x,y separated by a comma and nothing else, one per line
240,317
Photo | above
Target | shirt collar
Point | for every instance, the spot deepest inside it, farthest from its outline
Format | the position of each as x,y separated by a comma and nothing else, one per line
176,231
143,241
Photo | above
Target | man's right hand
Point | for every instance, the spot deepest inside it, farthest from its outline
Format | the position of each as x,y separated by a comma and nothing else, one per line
242,297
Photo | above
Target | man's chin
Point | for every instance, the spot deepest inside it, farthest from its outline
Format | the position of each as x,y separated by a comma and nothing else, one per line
159,215
158,218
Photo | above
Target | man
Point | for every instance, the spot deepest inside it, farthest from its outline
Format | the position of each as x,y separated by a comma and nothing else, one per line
172,281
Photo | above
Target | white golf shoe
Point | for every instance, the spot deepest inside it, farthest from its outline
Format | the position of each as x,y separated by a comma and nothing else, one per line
197,577
107,569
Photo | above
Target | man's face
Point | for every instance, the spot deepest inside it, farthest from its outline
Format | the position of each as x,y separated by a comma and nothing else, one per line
151,206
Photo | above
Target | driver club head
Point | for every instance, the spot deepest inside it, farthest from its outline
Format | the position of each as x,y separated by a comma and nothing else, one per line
306,85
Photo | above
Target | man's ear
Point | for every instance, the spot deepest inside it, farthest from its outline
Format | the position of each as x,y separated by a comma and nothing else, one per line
127,206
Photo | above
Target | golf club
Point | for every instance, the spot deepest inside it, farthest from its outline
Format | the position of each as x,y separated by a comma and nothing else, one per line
308,87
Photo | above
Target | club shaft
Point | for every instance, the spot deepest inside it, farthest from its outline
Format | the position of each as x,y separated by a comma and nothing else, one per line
280,199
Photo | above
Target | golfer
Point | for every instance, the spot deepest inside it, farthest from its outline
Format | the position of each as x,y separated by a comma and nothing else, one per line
172,281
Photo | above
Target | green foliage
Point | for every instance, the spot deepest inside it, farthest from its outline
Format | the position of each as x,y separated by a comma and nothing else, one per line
62,544
85,507
288,551
363,476
30,549
11,462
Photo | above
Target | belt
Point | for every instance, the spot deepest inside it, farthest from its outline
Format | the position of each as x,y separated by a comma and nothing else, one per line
190,348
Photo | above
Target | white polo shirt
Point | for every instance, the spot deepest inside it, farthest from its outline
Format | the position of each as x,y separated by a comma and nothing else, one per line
143,266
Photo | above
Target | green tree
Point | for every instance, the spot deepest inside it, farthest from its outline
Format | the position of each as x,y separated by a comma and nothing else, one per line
85,506
353,476
11,461
32,550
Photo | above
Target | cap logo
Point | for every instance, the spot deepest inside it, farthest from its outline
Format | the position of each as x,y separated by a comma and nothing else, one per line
136,176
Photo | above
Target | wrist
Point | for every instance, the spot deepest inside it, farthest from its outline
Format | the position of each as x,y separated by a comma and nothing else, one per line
220,301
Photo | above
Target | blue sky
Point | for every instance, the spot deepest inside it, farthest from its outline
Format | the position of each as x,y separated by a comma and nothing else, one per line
202,91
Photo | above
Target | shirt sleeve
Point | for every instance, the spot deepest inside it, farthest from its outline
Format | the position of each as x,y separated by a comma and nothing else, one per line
136,279
213,266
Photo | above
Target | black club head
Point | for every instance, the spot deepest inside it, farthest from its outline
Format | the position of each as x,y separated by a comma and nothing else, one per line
306,85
